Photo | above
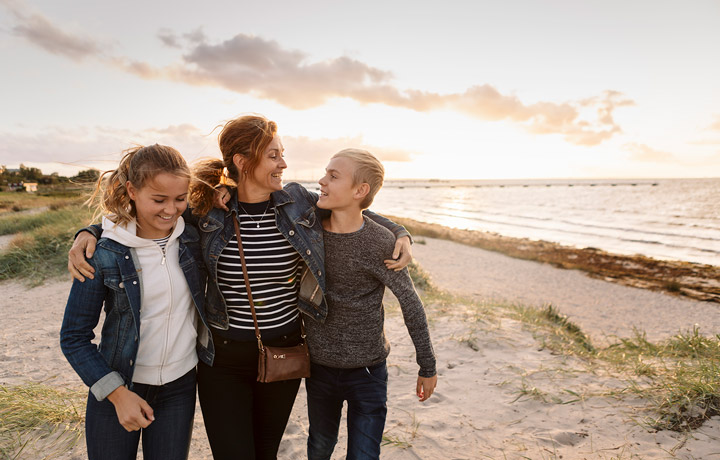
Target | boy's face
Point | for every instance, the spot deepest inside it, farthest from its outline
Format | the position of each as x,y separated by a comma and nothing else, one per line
337,190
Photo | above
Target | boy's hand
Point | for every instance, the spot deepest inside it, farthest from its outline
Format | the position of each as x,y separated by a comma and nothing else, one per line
84,246
222,196
402,254
133,412
426,387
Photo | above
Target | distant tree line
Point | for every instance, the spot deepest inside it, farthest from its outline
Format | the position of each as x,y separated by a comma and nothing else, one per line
24,173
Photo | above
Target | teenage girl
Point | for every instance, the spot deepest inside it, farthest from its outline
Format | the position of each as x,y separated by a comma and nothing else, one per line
142,373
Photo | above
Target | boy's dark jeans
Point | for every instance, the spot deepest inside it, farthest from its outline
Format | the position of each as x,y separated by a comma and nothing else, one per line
365,390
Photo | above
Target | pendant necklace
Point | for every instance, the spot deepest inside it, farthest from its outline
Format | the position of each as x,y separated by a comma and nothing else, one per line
256,222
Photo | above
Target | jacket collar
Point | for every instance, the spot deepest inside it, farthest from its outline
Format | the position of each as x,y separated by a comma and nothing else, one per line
112,245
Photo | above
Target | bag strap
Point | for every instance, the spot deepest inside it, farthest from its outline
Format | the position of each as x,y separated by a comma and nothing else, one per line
247,288
247,281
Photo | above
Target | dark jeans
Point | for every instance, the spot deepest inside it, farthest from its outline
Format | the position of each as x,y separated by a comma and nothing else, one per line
365,390
167,437
244,419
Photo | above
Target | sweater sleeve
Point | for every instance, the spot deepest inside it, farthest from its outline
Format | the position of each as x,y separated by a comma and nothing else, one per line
413,313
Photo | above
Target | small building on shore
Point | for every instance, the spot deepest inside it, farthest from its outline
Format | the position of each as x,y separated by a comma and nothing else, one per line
30,186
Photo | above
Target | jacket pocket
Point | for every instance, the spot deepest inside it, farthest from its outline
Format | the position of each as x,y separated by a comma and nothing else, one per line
207,224
118,297
307,219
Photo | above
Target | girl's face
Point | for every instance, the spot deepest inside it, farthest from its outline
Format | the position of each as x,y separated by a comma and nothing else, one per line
267,176
158,204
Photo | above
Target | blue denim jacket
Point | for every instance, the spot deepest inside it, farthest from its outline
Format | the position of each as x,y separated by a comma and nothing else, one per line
118,286
298,220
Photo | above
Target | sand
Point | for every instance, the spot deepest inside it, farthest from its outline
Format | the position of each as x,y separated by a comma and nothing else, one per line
500,395
603,310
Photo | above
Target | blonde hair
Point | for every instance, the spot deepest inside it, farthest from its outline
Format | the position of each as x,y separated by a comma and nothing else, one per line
138,166
248,136
368,170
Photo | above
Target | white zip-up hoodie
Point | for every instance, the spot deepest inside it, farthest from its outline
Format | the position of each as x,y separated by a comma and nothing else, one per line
168,329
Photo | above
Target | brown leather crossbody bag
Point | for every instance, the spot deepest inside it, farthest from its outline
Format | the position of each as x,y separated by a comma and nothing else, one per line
276,363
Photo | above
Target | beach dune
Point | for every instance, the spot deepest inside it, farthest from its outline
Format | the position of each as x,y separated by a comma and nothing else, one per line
500,394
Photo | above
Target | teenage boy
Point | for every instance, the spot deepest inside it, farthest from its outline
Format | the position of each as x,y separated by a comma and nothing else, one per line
349,349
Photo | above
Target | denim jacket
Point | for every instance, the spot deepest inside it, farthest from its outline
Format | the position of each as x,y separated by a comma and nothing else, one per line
298,220
118,286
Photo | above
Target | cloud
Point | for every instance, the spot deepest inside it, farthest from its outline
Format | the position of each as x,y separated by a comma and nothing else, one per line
307,157
642,152
168,38
99,146
715,126
263,68
40,31
172,40
69,150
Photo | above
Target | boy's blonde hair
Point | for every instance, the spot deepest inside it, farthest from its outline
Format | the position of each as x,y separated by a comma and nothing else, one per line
368,170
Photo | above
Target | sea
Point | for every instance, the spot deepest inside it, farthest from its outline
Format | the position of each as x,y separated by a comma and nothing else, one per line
672,219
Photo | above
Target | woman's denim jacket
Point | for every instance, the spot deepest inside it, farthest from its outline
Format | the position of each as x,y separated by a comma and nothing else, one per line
298,220
118,285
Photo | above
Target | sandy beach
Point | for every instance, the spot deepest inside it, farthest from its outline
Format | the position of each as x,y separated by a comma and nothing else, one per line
500,395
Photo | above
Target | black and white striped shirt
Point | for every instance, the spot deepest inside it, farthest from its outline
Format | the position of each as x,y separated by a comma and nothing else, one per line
272,265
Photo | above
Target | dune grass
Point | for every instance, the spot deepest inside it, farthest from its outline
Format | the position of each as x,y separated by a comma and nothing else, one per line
44,224
38,421
678,377
40,250
11,202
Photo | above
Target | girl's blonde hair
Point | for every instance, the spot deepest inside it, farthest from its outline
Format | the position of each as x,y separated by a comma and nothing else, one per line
248,136
137,166
368,170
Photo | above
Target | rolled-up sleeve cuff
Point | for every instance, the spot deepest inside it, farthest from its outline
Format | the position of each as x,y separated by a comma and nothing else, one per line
107,385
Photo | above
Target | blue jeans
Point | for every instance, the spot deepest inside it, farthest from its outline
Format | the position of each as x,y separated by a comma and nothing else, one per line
167,437
365,390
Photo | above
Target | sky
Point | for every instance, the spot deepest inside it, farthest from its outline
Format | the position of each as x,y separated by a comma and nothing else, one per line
446,90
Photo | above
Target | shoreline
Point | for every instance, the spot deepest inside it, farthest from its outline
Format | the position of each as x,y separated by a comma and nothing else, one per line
686,279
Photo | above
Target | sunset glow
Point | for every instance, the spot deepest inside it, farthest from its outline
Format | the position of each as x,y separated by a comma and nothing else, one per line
458,90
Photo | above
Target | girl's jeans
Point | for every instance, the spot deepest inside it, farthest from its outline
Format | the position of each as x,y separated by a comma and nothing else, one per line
166,438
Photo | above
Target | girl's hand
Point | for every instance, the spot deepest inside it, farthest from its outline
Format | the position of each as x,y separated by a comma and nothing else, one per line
133,412
426,387
402,254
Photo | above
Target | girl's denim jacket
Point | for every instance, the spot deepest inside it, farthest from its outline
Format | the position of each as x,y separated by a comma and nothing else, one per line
298,220
117,284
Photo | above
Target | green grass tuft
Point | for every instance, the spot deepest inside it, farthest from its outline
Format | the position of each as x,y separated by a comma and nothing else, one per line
38,419
561,334
40,251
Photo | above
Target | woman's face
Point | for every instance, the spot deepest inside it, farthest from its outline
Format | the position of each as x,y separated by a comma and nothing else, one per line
267,176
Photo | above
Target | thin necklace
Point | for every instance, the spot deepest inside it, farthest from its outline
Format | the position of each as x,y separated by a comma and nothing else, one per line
257,222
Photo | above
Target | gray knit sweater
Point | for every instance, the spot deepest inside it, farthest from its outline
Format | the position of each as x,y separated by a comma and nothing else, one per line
353,334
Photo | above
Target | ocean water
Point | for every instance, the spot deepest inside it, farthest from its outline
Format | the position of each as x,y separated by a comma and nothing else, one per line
676,219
